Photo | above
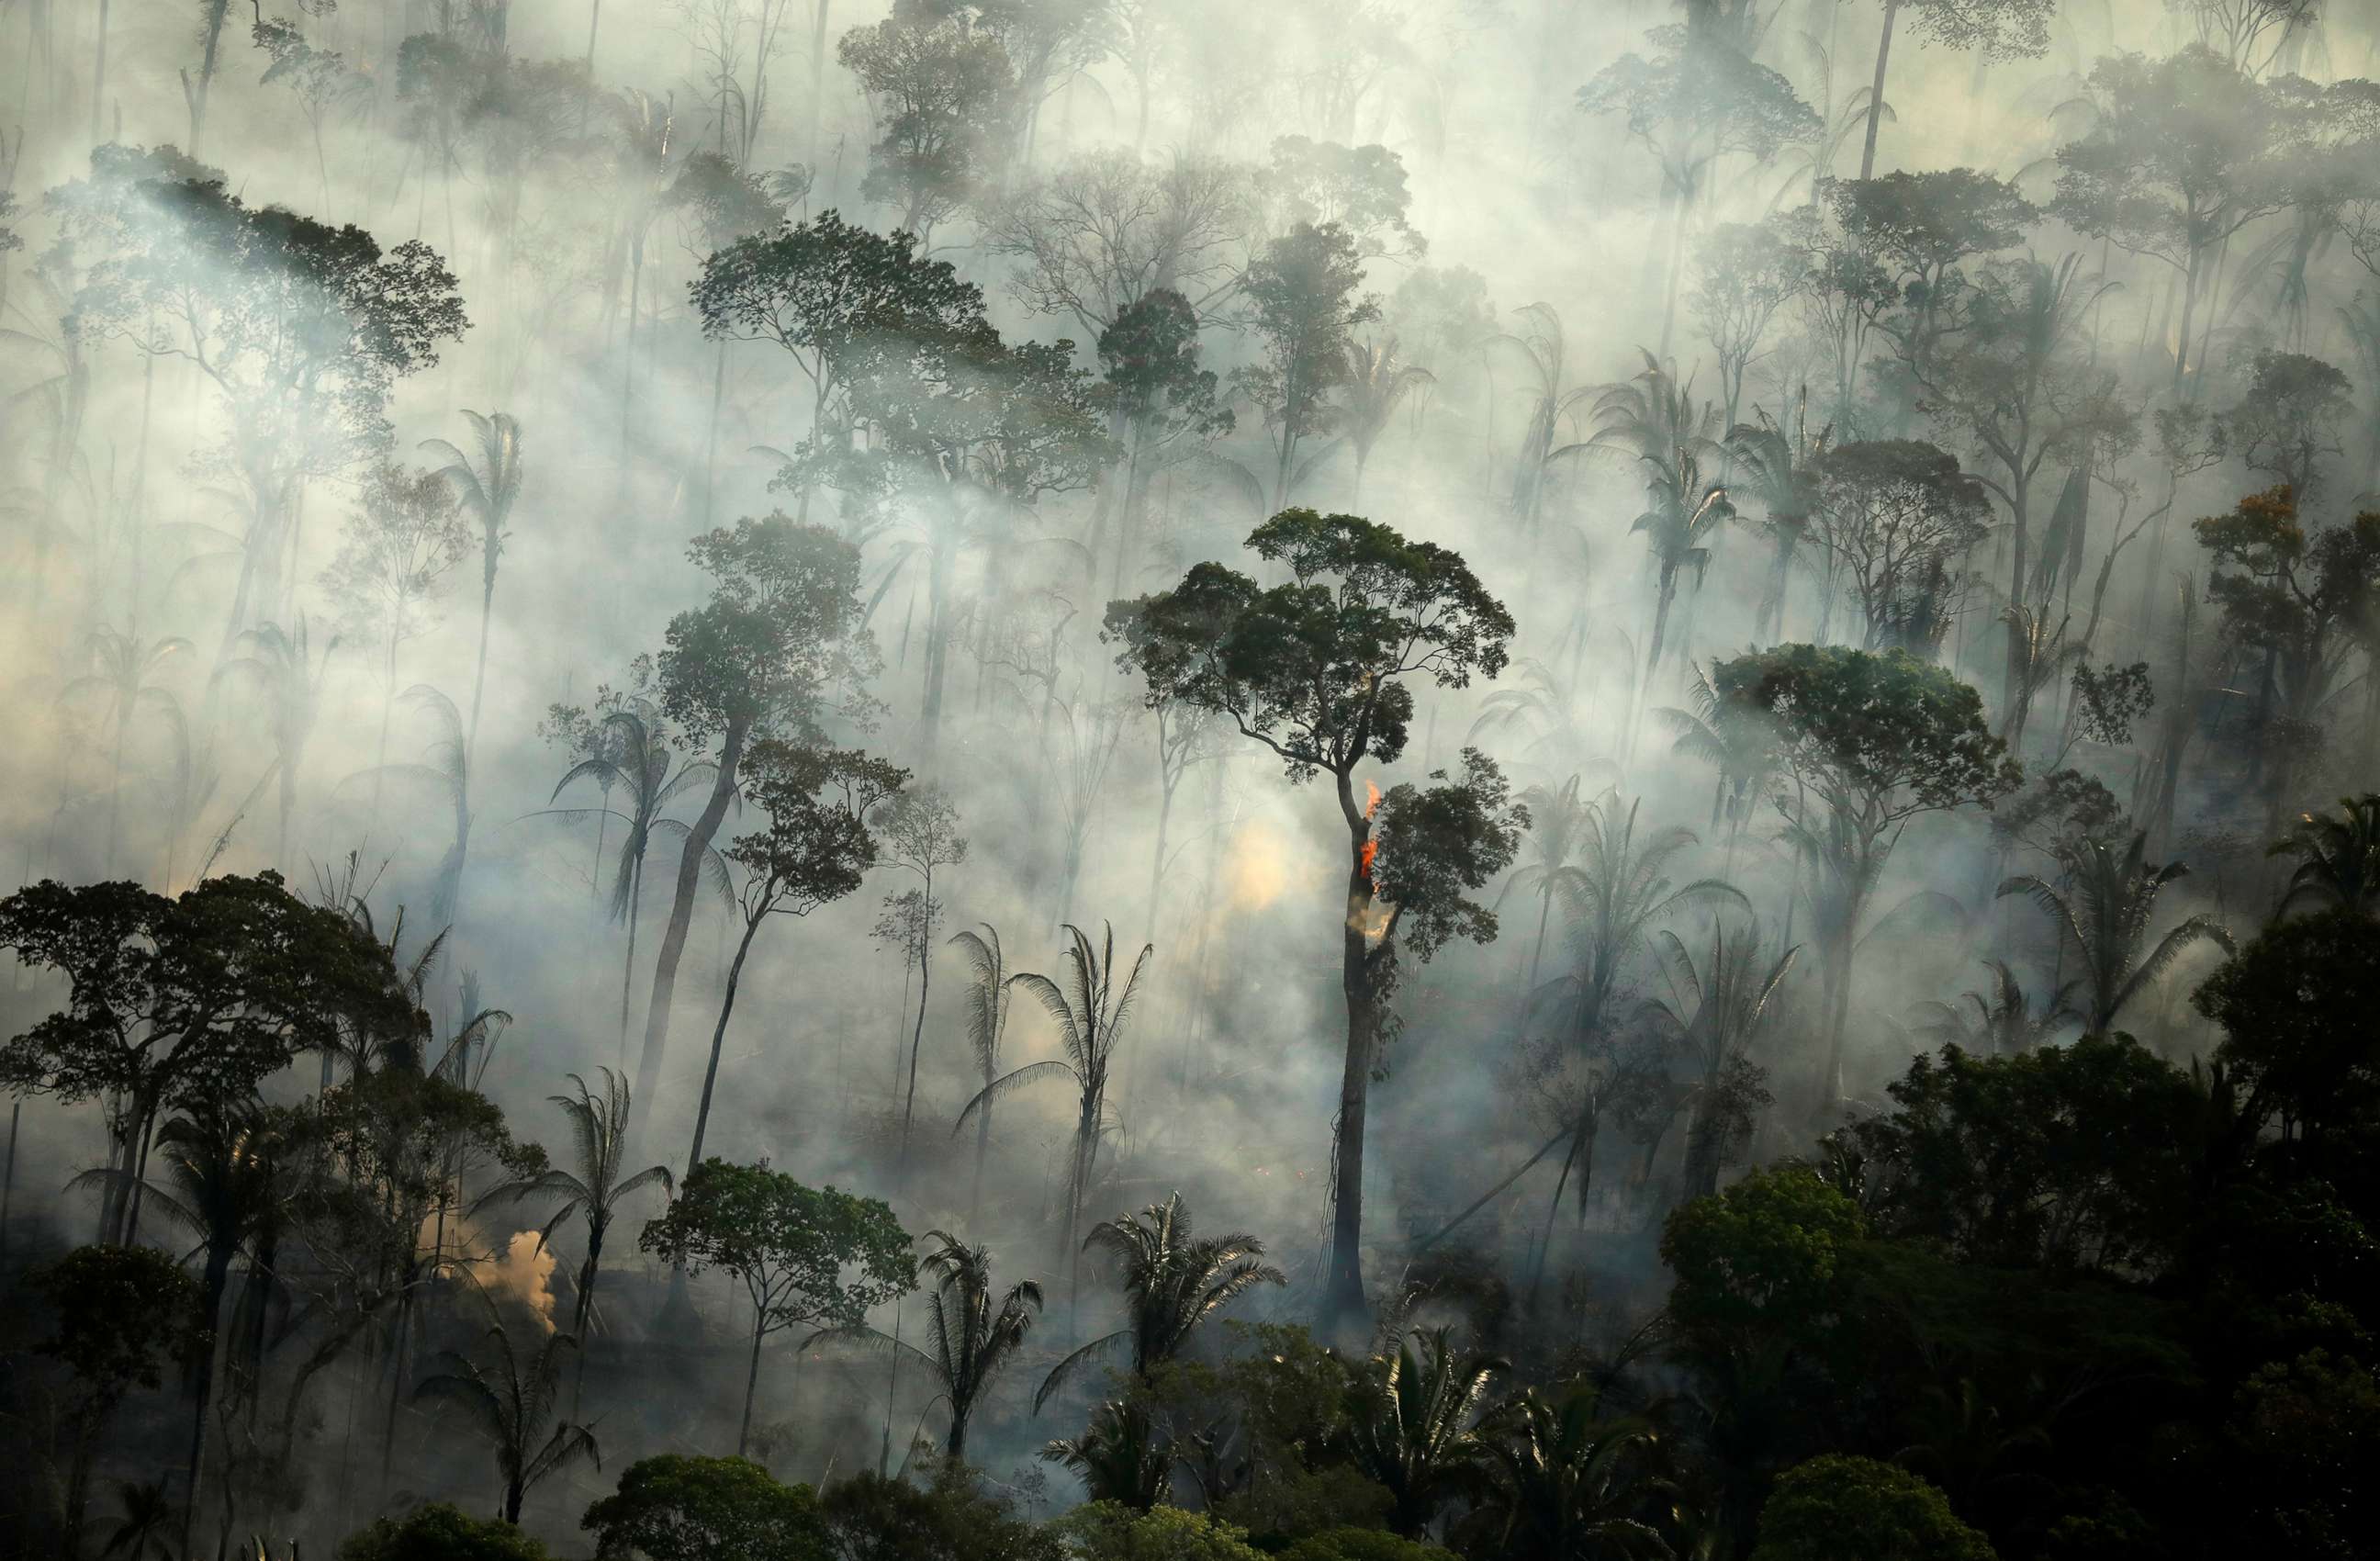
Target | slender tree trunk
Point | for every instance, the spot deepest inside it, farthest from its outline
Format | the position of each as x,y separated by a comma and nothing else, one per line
719,1041
479,671
751,1384
1876,91
99,81
628,964
917,1043
689,883
1344,1304
711,445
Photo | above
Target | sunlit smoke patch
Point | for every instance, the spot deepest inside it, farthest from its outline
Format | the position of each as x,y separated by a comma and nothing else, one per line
1257,873
522,1272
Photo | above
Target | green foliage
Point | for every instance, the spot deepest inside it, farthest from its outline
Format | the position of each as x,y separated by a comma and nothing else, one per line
1880,736
1105,1530
1363,1544
2296,1008
1317,668
200,997
2062,1157
1301,290
782,628
1439,842
813,845
947,1517
122,1315
1760,1261
439,1533
806,1255
1842,1508
820,288
673,1507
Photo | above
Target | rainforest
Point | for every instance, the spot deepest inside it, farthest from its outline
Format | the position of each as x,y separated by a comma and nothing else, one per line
1189,780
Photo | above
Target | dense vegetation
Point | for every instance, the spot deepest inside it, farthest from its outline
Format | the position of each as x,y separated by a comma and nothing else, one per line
1178,780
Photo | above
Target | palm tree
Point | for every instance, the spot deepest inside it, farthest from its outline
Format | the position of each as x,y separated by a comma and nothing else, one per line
509,1401
1410,1428
222,1180
1776,464
1654,417
144,1528
633,751
2104,917
1617,892
2339,858
1556,819
1543,346
986,1006
1717,1011
1683,515
1540,704
123,670
1741,750
1378,381
1119,1456
1563,1481
1998,1022
487,490
1092,1013
598,1131
1174,1279
973,1335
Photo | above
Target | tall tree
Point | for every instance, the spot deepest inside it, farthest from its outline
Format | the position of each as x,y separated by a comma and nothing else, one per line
1871,742
301,329
820,290
2182,154
487,490
921,836
174,1001
2102,918
1174,1279
940,90
507,1398
1301,294
1997,29
1896,519
1320,669
399,547
593,1190
779,637
804,1256
813,846
986,1005
1092,1011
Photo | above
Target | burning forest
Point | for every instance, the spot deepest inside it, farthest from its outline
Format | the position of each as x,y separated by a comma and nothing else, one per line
1189,780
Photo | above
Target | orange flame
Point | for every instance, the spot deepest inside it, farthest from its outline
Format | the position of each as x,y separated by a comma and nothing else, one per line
1371,799
1364,858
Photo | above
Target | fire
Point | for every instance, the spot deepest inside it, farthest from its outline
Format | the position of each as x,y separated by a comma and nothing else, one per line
1364,857
1371,799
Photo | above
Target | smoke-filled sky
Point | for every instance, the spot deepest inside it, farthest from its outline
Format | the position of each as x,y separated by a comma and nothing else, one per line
1532,236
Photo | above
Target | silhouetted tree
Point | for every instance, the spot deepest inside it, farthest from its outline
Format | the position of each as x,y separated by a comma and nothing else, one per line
812,847
804,1256
1316,670
1870,742
763,658
507,1398
1302,294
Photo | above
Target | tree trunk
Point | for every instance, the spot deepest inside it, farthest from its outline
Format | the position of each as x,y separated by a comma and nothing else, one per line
1344,1305
1876,91
719,1041
689,883
628,964
751,1385
917,1043
480,671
